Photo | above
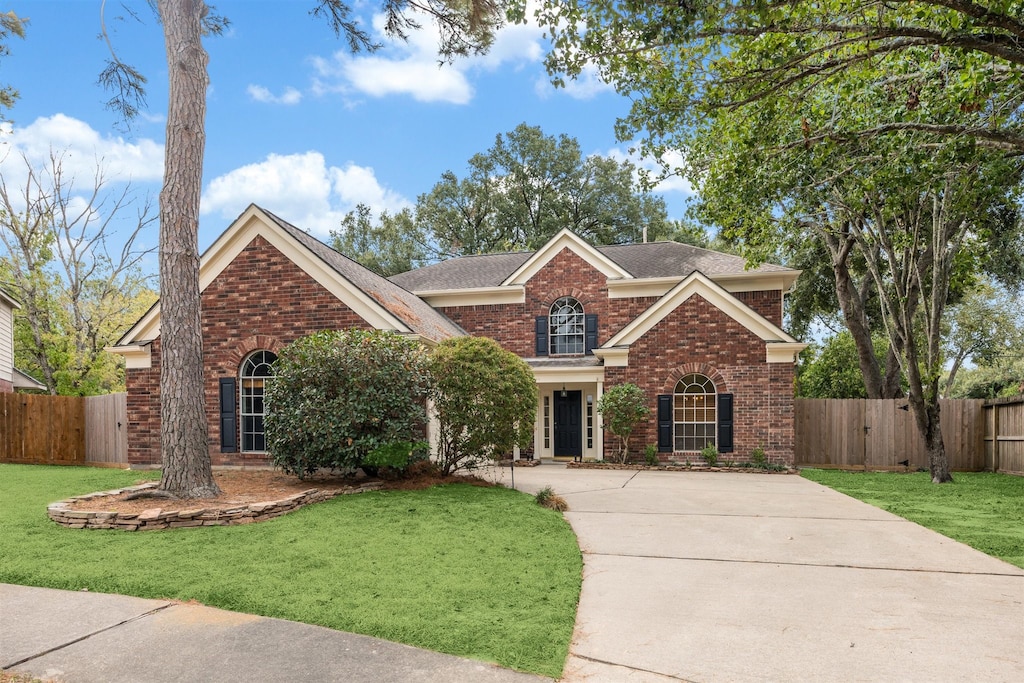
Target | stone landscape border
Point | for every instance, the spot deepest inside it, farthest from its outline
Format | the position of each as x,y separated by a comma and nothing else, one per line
158,518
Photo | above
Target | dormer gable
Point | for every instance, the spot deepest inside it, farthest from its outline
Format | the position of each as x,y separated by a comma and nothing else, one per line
566,239
780,346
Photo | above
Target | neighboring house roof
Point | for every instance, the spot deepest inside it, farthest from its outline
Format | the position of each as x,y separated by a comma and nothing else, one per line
8,299
23,380
642,261
382,303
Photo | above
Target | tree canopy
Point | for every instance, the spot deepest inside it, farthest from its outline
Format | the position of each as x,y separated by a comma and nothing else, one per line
77,290
682,60
884,136
464,27
515,196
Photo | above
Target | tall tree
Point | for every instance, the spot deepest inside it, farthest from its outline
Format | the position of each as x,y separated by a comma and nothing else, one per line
527,187
77,292
792,128
984,325
391,244
11,25
464,27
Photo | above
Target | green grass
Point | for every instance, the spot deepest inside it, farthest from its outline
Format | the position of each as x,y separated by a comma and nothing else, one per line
982,509
478,572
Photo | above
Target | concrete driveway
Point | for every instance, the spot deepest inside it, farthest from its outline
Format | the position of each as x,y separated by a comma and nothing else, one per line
755,577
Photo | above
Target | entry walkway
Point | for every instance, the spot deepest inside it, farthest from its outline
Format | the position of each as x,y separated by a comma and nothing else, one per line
756,577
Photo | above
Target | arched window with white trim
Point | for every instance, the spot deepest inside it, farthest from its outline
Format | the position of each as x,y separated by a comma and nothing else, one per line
695,413
257,370
566,325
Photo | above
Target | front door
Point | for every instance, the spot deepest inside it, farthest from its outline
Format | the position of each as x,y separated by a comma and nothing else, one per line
568,424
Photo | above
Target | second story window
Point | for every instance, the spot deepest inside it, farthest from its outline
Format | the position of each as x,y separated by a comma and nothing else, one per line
566,327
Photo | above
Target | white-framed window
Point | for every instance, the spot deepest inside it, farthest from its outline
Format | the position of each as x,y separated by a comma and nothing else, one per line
695,413
566,327
257,370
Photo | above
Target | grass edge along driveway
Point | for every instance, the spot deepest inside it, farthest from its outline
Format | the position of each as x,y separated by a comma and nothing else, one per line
984,510
477,572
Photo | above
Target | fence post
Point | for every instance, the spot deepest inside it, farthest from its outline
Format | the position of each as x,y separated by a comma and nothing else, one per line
995,437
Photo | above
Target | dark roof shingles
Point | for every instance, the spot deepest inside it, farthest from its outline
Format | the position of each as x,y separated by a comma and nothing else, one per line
407,307
650,260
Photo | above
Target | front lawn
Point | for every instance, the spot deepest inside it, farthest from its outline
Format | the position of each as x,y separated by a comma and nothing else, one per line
982,509
478,572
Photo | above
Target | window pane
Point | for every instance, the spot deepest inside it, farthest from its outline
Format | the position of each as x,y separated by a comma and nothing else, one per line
695,413
256,371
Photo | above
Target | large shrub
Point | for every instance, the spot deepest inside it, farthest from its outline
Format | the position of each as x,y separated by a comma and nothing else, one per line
486,401
337,397
623,407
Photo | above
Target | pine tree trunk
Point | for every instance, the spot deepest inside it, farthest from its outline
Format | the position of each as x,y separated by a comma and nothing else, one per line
184,438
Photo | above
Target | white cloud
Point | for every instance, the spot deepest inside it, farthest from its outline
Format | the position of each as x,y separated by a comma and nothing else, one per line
82,147
288,97
424,81
671,161
300,188
586,86
411,67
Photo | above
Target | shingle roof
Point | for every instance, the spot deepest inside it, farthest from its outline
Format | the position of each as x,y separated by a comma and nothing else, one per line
650,260
407,307
666,259
465,272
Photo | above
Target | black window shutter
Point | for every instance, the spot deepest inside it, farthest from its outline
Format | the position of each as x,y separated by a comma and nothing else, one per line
725,423
591,329
542,335
228,419
665,423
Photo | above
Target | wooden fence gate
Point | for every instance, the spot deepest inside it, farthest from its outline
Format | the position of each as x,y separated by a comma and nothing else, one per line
64,430
45,430
855,434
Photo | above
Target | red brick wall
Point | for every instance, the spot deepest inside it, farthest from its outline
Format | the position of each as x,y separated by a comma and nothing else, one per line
6,387
767,303
697,337
512,325
263,301
260,301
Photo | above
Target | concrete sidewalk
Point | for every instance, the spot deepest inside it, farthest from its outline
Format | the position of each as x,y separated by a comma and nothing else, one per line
755,577
98,638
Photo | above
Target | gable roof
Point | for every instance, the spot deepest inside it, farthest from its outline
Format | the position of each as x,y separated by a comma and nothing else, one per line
637,261
779,346
566,239
417,314
381,303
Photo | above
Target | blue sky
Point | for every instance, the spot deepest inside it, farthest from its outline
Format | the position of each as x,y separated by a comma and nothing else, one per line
294,122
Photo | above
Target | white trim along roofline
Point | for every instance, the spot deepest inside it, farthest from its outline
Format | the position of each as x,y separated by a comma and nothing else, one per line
251,223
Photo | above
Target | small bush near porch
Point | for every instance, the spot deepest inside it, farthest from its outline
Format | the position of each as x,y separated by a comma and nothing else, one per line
981,509
471,571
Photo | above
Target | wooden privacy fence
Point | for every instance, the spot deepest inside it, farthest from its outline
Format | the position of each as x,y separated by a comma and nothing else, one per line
1004,435
64,430
871,434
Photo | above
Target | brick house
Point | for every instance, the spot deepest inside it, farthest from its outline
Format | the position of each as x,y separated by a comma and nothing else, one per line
696,331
